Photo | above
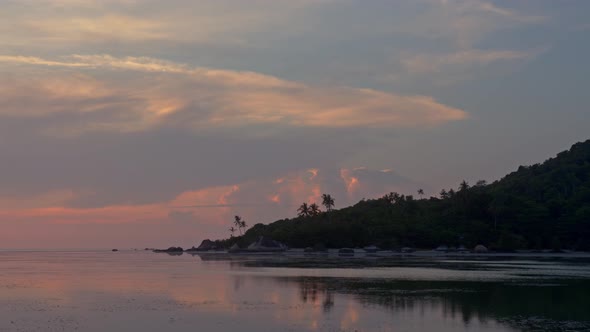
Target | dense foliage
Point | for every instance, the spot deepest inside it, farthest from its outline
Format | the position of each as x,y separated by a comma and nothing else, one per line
544,206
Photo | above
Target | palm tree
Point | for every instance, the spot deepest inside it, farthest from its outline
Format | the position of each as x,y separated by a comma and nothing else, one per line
314,209
421,193
239,223
327,202
303,210
388,198
232,231
444,194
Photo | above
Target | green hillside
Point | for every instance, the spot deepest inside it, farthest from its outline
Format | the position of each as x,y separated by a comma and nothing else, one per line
543,206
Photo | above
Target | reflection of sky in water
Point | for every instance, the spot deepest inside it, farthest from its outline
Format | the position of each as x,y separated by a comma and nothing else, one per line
55,291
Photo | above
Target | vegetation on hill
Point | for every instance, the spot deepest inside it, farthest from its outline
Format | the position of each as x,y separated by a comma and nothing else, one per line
543,206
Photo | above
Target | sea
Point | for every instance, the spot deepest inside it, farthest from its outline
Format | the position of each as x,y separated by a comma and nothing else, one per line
137,290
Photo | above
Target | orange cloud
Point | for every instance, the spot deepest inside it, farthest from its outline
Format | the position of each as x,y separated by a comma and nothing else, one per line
226,98
351,181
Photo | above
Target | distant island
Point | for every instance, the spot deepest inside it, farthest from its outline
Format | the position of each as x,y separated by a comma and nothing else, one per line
543,206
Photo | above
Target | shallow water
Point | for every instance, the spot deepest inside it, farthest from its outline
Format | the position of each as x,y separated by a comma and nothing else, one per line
143,291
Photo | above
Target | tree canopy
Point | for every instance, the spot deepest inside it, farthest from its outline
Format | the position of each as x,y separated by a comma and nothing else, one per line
543,206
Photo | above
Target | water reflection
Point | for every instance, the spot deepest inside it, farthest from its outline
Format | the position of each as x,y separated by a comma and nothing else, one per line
547,302
148,292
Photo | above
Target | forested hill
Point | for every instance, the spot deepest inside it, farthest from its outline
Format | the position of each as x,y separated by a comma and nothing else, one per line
543,206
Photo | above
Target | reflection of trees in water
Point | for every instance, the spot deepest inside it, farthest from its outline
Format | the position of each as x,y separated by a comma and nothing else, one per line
312,290
566,300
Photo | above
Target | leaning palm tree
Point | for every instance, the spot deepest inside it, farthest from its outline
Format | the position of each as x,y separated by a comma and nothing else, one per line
232,230
314,209
327,202
303,210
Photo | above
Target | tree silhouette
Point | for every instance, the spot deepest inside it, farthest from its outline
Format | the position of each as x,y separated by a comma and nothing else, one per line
464,186
239,223
421,193
232,230
327,202
314,209
303,210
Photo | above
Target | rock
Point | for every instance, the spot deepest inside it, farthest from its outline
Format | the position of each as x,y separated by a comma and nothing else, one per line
170,250
480,249
115,250
206,245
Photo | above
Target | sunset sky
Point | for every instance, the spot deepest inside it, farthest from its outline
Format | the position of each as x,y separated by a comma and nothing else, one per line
137,123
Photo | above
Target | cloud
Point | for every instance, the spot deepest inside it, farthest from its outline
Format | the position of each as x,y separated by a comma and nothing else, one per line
198,98
467,22
64,23
117,27
432,63
189,216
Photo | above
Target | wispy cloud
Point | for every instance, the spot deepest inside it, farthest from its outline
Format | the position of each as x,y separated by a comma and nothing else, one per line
429,63
178,95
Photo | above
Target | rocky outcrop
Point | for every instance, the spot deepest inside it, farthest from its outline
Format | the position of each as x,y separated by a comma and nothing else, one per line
206,245
170,250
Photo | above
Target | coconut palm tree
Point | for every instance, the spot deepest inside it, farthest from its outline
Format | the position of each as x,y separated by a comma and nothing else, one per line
327,202
239,223
314,209
232,230
303,210
421,192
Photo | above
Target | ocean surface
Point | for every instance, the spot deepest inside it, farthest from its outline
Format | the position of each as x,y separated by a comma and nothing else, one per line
145,291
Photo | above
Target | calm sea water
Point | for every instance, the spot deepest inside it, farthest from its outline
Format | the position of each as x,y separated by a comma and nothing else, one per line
143,291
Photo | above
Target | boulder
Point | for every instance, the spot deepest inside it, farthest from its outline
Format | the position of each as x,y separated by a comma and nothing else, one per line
480,249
